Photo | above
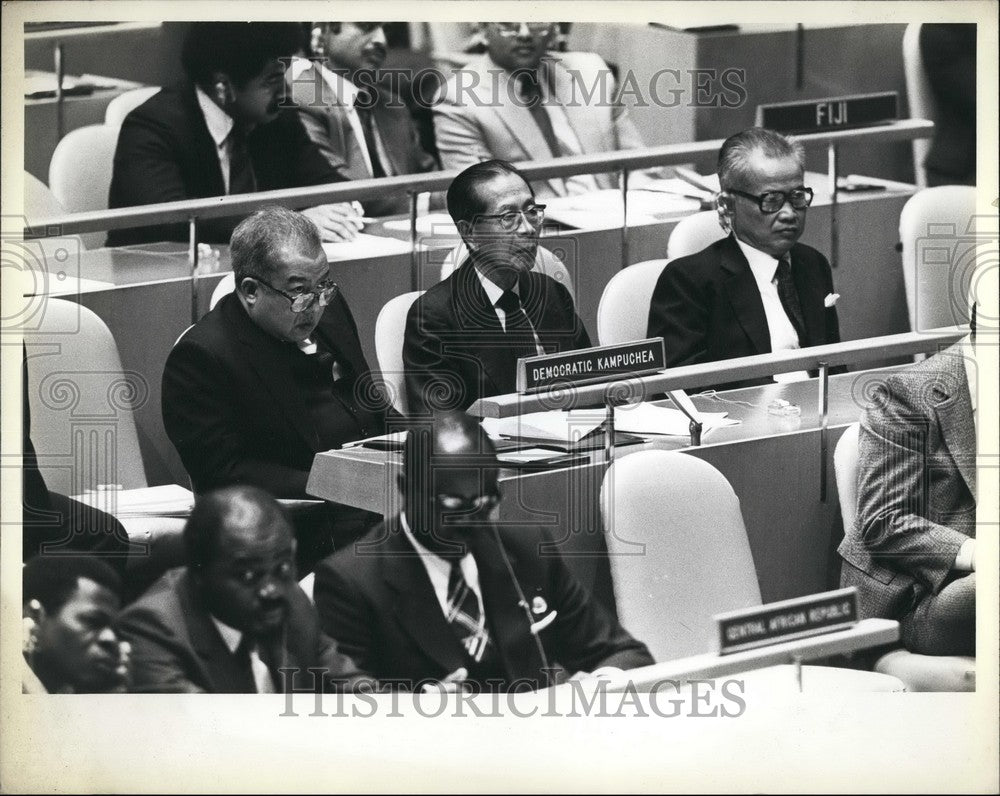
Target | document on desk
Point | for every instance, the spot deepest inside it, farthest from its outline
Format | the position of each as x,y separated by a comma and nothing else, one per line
603,209
437,224
169,500
557,426
363,246
646,418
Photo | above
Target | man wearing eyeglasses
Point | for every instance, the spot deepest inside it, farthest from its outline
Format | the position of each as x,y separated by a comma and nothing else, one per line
439,593
757,290
463,337
520,101
272,375
361,127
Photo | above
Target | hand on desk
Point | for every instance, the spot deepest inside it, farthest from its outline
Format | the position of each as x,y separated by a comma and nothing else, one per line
451,684
335,222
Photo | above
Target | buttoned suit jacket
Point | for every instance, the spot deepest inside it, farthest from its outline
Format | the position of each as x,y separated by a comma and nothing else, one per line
455,350
166,154
916,487
176,647
476,115
326,123
230,409
377,600
707,306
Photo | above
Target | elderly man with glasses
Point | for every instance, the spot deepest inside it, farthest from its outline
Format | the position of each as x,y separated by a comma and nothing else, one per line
440,593
520,101
758,290
464,336
273,375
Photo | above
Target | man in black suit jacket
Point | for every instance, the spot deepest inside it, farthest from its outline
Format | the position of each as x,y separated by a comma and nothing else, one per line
255,389
758,290
465,334
222,132
364,130
234,617
440,593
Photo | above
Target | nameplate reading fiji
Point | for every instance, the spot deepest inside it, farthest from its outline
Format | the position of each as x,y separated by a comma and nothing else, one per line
778,622
590,365
832,113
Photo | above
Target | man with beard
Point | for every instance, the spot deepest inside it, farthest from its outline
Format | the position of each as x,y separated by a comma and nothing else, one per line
463,337
222,132
234,617
362,128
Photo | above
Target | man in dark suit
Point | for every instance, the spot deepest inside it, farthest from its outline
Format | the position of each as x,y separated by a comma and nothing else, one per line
273,375
440,593
222,132
911,552
363,129
758,290
234,617
465,334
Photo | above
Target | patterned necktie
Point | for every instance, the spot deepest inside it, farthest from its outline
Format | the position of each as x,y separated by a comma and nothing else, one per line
464,615
364,104
241,176
790,297
531,95
517,326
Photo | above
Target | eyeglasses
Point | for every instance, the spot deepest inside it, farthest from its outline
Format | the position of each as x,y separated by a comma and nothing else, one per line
303,301
773,201
511,29
458,503
511,220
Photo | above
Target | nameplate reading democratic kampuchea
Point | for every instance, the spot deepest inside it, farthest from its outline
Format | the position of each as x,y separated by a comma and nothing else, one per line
782,621
832,113
590,365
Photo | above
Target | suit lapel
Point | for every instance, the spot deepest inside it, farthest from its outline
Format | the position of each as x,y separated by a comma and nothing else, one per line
416,606
269,358
744,296
394,137
204,145
954,413
810,298
476,315
222,671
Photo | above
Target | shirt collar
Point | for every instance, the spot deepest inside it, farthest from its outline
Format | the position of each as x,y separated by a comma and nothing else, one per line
230,636
761,263
219,123
429,557
493,290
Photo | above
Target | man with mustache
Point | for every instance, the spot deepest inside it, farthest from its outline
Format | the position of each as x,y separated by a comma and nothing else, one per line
757,290
362,128
235,615
222,132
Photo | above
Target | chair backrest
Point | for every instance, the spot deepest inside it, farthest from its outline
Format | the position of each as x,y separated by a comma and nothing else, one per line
545,263
678,550
389,327
39,201
226,286
935,228
81,402
845,470
623,312
80,172
919,96
125,103
693,233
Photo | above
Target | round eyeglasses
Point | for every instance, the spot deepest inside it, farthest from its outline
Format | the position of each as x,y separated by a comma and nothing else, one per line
458,503
303,301
773,201
511,220
511,29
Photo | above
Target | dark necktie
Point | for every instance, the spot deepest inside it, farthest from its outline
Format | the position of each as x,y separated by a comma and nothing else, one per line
464,616
531,95
247,649
518,328
364,105
790,297
241,176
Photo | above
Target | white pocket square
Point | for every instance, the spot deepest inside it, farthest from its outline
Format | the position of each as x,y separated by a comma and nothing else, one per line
831,299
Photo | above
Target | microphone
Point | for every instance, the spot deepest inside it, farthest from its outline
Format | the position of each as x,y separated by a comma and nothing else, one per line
523,604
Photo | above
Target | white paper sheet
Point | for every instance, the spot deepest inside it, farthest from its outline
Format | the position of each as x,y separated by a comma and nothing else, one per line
365,245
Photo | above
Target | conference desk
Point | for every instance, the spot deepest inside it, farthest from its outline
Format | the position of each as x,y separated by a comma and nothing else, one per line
147,297
776,471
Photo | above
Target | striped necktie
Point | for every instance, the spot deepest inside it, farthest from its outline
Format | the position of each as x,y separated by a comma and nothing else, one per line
464,615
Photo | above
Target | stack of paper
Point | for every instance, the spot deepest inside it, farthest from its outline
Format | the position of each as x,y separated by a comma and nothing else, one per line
603,209
363,246
170,500
645,418
557,426
437,224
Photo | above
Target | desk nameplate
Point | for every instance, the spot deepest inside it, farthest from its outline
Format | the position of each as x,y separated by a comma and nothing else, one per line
590,365
831,113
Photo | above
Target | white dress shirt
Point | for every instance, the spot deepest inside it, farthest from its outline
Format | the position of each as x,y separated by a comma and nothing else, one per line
344,95
439,570
493,293
220,125
783,335
261,674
